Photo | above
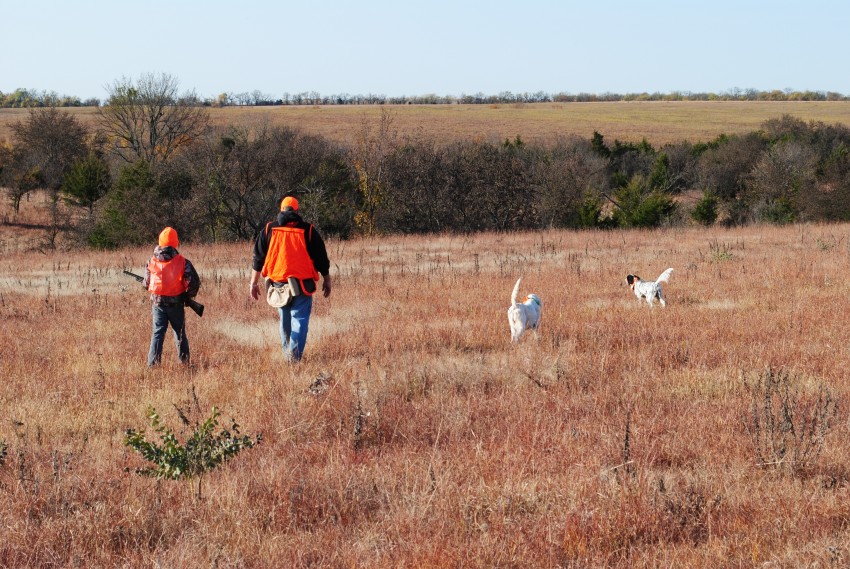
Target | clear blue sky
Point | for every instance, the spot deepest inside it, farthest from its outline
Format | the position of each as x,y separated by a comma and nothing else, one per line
78,47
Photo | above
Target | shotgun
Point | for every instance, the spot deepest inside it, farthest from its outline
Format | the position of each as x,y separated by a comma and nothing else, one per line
196,306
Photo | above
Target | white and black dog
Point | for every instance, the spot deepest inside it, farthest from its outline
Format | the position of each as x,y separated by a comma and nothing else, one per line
648,289
525,315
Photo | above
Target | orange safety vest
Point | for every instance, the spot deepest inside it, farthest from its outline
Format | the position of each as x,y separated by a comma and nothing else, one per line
288,257
167,276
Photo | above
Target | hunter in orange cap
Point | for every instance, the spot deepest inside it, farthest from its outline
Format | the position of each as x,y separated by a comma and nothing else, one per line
170,278
290,254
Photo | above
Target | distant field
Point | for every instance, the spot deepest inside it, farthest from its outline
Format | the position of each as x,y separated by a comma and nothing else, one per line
658,122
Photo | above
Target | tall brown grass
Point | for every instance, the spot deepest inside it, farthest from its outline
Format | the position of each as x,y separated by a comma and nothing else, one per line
615,437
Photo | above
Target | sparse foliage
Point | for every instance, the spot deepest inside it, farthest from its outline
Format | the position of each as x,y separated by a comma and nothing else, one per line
374,145
148,119
44,148
786,428
205,449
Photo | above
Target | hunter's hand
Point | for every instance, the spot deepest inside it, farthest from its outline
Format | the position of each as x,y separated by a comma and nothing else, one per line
255,291
326,286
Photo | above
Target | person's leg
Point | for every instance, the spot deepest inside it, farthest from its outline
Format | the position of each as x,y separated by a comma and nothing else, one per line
160,326
300,310
285,329
177,318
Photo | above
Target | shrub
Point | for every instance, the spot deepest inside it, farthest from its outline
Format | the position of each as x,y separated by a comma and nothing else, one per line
786,429
705,212
87,181
204,450
641,206
590,212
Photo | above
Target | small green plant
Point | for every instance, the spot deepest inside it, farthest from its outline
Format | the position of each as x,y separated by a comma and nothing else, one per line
204,450
785,428
719,252
824,245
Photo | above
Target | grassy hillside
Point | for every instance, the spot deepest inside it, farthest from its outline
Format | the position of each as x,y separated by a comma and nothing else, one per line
618,436
658,122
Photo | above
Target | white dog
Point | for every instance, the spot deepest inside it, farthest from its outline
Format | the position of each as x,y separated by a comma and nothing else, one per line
523,315
648,289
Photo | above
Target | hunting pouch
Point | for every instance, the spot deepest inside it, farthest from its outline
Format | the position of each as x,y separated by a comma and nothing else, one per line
279,295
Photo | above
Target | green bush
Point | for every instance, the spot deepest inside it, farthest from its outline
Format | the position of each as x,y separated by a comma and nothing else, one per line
779,211
131,210
87,181
705,212
641,206
203,451
589,212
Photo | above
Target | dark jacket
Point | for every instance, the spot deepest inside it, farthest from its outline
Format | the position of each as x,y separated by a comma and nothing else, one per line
189,274
315,244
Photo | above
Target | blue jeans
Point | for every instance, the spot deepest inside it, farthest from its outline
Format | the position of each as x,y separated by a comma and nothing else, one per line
294,321
163,315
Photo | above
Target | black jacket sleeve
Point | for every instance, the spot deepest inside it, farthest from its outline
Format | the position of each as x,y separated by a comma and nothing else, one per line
317,251
190,275
261,249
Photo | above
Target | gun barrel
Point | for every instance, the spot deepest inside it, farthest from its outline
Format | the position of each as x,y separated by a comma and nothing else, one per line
135,276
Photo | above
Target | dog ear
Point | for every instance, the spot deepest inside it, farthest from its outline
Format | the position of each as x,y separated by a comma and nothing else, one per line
630,279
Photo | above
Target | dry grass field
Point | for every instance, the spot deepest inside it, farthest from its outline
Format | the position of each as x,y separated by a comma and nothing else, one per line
619,436
658,122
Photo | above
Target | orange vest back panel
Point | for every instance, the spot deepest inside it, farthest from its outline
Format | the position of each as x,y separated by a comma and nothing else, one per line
287,256
167,276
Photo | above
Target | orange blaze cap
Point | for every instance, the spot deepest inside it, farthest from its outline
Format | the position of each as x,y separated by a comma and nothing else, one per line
289,201
168,238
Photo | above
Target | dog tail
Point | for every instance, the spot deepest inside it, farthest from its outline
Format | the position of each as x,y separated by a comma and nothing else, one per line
665,276
515,293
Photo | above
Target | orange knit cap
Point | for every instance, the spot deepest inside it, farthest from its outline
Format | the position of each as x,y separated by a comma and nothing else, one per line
168,238
289,201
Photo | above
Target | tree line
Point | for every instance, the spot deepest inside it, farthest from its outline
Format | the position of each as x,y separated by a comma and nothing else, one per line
154,159
33,98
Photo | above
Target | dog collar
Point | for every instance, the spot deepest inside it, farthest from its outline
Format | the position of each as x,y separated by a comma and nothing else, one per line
537,302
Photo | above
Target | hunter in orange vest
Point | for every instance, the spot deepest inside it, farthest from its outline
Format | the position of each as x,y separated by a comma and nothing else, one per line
289,251
170,278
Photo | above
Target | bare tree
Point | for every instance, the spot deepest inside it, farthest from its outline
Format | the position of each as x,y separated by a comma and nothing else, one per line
369,159
563,177
43,149
51,140
148,119
782,177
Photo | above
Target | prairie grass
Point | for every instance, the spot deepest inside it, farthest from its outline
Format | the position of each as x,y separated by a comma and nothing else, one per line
659,122
414,434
